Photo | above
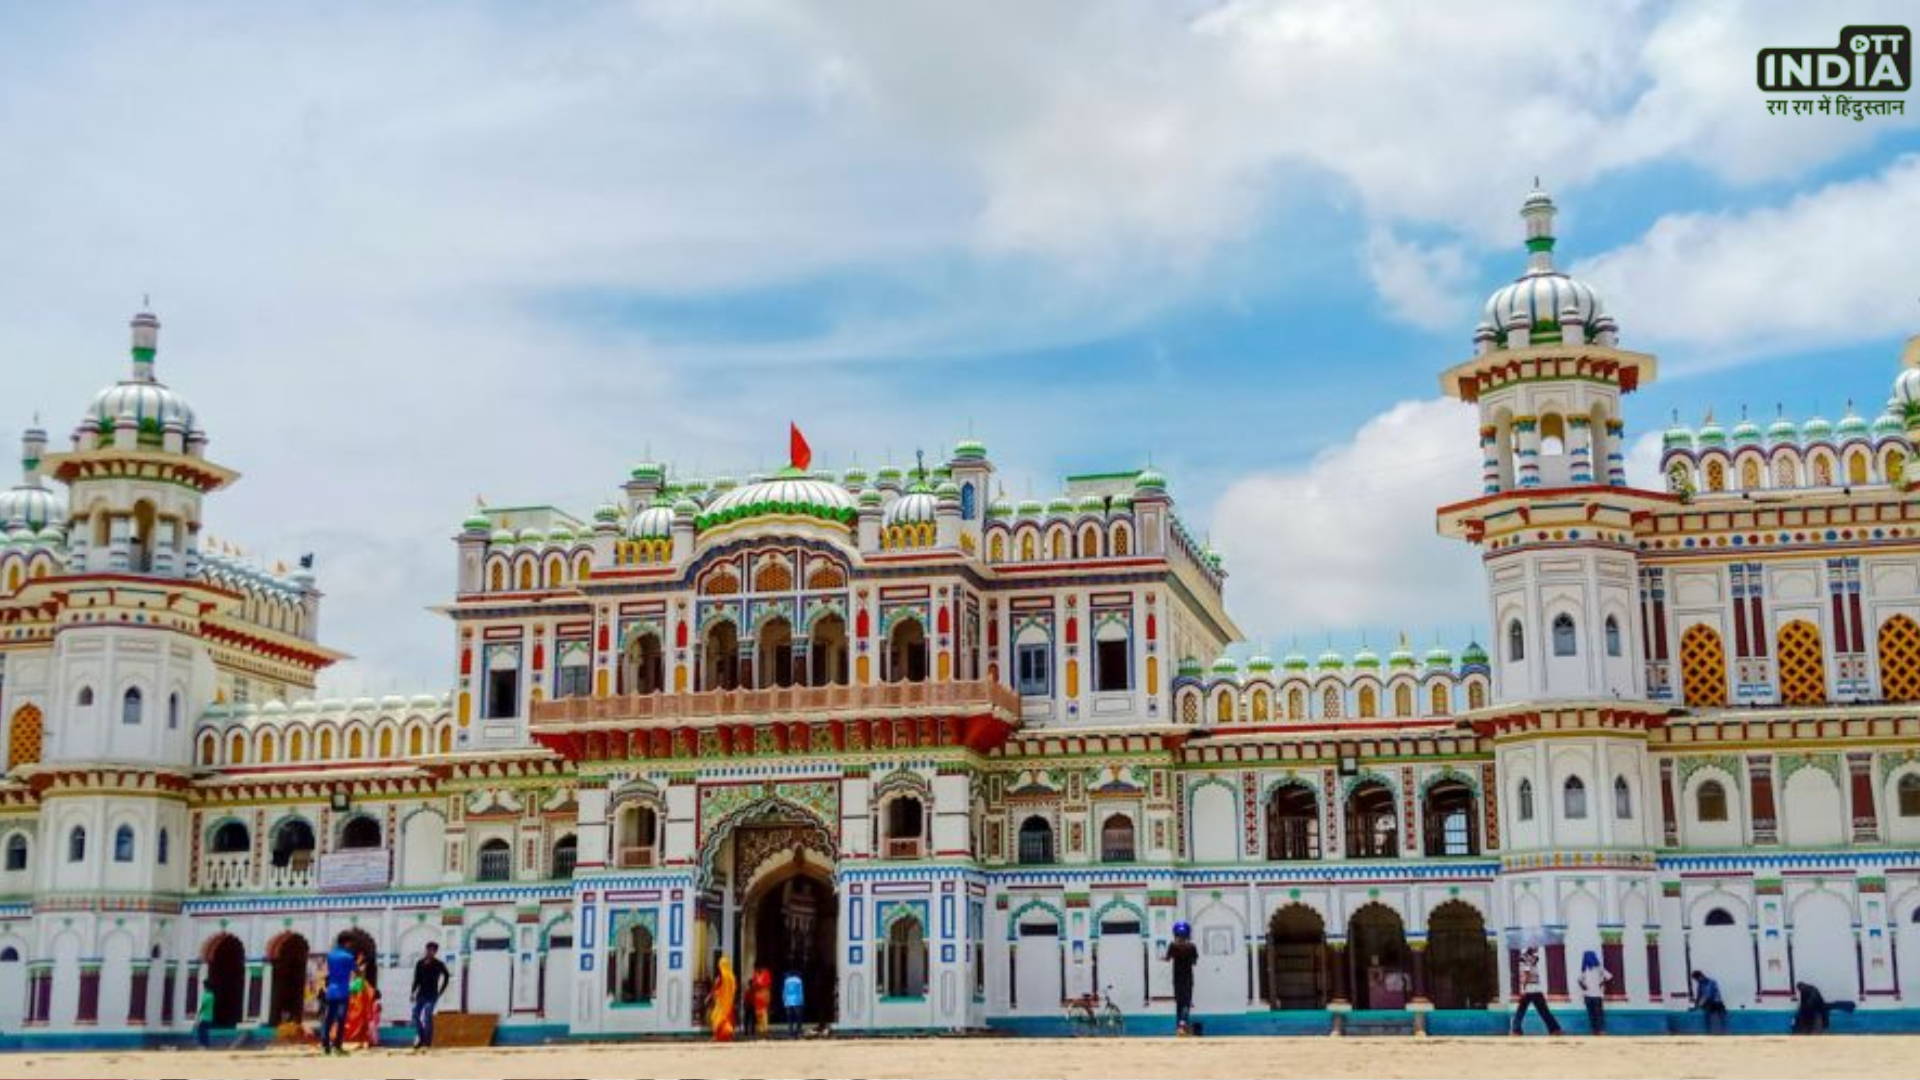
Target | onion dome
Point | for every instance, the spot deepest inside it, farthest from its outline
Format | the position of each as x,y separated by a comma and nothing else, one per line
1677,437
1543,297
561,533
916,506
790,493
529,535
1711,434
1225,668
30,504
1120,504
648,471
1887,426
1852,425
1060,506
653,523
1816,430
970,450
1439,657
725,483
503,536
685,507
1473,654
999,507
1149,480
1366,659
1189,667
855,477
1401,657
606,512
947,490
1260,664
1092,504
1331,661
1032,508
695,487
889,474
1746,432
870,498
1783,431
1906,390
1296,661
152,406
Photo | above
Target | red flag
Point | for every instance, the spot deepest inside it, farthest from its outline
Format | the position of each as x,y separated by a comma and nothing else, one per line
798,451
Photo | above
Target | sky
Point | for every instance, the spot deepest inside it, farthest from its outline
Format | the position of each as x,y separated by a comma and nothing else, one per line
411,256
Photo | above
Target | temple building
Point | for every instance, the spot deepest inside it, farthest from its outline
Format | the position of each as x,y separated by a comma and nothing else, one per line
956,759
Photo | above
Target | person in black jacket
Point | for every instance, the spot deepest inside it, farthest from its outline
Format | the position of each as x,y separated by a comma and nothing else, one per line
430,979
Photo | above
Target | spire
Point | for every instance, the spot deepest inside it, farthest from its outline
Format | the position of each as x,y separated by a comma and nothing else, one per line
1538,212
146,342
33,443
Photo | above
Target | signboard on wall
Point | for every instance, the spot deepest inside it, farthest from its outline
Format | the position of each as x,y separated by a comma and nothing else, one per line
356,870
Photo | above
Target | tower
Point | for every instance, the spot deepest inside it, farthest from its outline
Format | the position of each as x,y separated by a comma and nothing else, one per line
1555,515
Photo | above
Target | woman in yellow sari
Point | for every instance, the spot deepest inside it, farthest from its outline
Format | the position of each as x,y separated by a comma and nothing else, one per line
720,1006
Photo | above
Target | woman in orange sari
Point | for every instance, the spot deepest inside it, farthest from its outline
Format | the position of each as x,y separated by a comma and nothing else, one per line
720,1007
363,1009
760,999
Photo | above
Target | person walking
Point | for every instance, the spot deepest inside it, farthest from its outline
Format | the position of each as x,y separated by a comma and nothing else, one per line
341,966
793,1002
430,979
1593,989
1184,957
760,996
203,1018
1532,993
1707,999
722,1002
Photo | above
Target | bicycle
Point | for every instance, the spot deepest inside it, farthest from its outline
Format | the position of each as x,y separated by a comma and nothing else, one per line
1091,1014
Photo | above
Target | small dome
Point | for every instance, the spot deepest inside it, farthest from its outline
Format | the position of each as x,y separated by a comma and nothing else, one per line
529,535
888,474
1677,437
1783,431
915,507
561,533
1816,430
1059,505
647,471
1711,434
503,536
606,512
1189,667
1260,664
1149,480
475,522
1473,654
1032,508
685,507
653,523
694,486
1543,297
970,450
35,507
1746,433
1331,661
871,497
1439,657
855,476
1121,503
999,507
1366,658
1906,388
1092,504
1401,657
790,493
1296,661
1852,425
1887,425
947,490
1226,667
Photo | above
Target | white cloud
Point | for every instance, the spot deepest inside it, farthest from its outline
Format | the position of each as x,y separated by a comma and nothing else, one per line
1348,540
1426,285
1829,267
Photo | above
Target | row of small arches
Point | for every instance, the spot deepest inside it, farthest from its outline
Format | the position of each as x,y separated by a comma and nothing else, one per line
1784,469
1059,543
1564,637
1329,701
325,742
17,569
125,849
1573,800
527,572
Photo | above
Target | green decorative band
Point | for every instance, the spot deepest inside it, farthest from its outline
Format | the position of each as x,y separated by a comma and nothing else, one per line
143,355
1539,243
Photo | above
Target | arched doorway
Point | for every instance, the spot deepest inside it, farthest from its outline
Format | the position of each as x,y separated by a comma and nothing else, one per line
907,652
827,652
288,956
773,654
643,670
225,963
1460,960
1377,946
1296,959
721,653
791,922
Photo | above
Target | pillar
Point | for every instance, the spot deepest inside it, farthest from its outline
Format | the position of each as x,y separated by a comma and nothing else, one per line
1418,948
1337,961
137,994
1760,788
1526,457
89,1012
1616,459
1613,957
1654,990
1866,822
1580,449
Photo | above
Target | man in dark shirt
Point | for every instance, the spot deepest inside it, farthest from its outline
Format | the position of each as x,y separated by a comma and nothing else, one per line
1183,955
430,978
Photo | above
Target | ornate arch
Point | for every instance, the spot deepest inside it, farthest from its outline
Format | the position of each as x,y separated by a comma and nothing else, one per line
906,611
466,940
638,628
1448,772
1352,783
1279,783
1124,905
769,809
820,609
1059,919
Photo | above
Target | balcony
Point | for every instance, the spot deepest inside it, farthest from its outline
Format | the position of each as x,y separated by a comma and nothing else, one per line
233,872
635,857
905,847
786,703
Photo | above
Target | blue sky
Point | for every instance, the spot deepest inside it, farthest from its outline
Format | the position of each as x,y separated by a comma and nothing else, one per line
407,257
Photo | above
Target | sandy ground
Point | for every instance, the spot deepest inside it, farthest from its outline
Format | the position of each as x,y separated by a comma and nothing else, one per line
1861,1056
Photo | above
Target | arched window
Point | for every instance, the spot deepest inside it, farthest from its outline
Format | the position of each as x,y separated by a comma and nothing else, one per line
634,967
1710,801
1720,917
1293,824
123,844
1296,704
1622,799
17,852
1516,642
77,844
361,832
1613,636
1369,703
1563,635
1441,704
495,862
1573,799
160,846
1476,695
1330,703
1223,707
230,838
1909,798
173,710
1449,820
293,844
1523,801
85,698
1371,830
1116,839
566,853
1036,841
905,821
904,966
1403,700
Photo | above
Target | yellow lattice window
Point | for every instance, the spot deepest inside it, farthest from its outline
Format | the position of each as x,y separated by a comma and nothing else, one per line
1703,666
1026,548
1059,544
722,584
1803,668
23,738
1896,467
526,576
1476,695
1440,703
1330,704
1857,467
1260,715
1122,541
1716,476
1899,642
497,577
774,577
1822,471
1750,474
1223,708
1190,708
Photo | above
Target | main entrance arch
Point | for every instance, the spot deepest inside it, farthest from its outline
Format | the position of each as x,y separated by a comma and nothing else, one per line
790,922
288,955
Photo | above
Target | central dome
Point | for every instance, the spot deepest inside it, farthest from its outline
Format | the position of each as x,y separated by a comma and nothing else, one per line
149,403
1544,298
788,493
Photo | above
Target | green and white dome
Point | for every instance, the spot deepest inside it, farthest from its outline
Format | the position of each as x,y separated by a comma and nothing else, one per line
790,493
653,523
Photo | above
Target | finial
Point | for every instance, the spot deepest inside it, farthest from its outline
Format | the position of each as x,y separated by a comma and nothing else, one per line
1743,410
1709,418
920,464
1536,181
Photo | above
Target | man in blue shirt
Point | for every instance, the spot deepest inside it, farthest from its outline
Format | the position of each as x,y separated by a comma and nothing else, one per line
1706,998
793,998
333,1025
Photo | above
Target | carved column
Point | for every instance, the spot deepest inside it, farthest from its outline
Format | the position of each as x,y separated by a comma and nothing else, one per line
1760,785
1866,819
